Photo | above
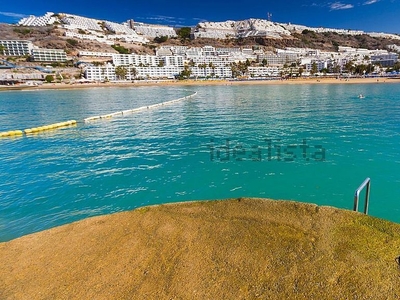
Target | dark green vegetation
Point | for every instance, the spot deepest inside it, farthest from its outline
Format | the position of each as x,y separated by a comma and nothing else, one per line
121,49
72,42
49,78
161,39
184,33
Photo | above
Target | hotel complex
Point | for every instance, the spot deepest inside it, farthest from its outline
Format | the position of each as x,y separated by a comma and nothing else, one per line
26,48
210,62
16,47
200,62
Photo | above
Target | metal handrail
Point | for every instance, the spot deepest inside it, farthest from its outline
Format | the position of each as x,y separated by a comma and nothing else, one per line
366,183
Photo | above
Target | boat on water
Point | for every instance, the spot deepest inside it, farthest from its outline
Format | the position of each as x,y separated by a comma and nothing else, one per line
361,96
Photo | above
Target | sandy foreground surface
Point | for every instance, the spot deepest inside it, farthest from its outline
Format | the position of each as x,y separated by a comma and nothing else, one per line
230,249
204,82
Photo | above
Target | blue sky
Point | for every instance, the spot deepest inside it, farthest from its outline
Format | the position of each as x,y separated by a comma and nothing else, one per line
367,15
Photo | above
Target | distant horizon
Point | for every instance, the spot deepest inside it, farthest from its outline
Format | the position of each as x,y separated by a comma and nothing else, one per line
367,15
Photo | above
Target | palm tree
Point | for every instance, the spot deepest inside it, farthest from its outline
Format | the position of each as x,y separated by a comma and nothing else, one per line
314,68
301,70
133,72
121,72
349,66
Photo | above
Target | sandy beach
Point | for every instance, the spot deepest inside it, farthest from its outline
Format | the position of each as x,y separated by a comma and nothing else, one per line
191,82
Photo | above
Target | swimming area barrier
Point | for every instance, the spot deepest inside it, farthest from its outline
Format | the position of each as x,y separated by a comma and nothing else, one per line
135,110
36,130
12,133
46,128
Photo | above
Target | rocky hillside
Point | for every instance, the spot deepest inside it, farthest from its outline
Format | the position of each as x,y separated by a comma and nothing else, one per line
53,37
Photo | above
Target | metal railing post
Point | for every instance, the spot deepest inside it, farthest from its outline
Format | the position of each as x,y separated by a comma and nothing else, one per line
366,183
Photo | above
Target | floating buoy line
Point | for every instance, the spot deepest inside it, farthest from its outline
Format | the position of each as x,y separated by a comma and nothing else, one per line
37,130
135,110
46,128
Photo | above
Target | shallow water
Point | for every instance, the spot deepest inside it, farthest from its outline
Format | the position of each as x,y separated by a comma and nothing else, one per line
311,143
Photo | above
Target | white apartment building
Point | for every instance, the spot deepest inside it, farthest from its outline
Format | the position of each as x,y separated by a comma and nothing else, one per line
219,61
394,47
321,64
21,76
227,51
49,55
47,19
136,60
16,47
179,50
154,30
90,37
147,60
163,51
176,61
95,54
119,28
158,72
218,72
194,51
75,22
277,60
108,73
127,38
103,73
263,71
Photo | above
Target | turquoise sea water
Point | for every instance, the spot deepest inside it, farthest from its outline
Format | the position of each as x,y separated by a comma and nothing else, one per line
310,143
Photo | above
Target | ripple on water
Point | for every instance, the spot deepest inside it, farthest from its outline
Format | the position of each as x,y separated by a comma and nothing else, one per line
180,152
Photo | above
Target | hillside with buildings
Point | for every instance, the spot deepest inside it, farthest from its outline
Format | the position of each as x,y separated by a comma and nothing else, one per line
102,50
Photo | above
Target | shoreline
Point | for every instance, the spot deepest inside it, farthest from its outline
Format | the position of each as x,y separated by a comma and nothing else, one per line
191,82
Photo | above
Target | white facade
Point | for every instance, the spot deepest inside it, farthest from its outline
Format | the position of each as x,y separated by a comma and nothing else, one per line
16,47
96,54
119,28
321,64
49,55
128,38
154,30
214,60
76,22
219,72
277,60
136,60
176,61
21,76
90,37
47,19
263,71
159,72
100,73
244,28
108,73
147,60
